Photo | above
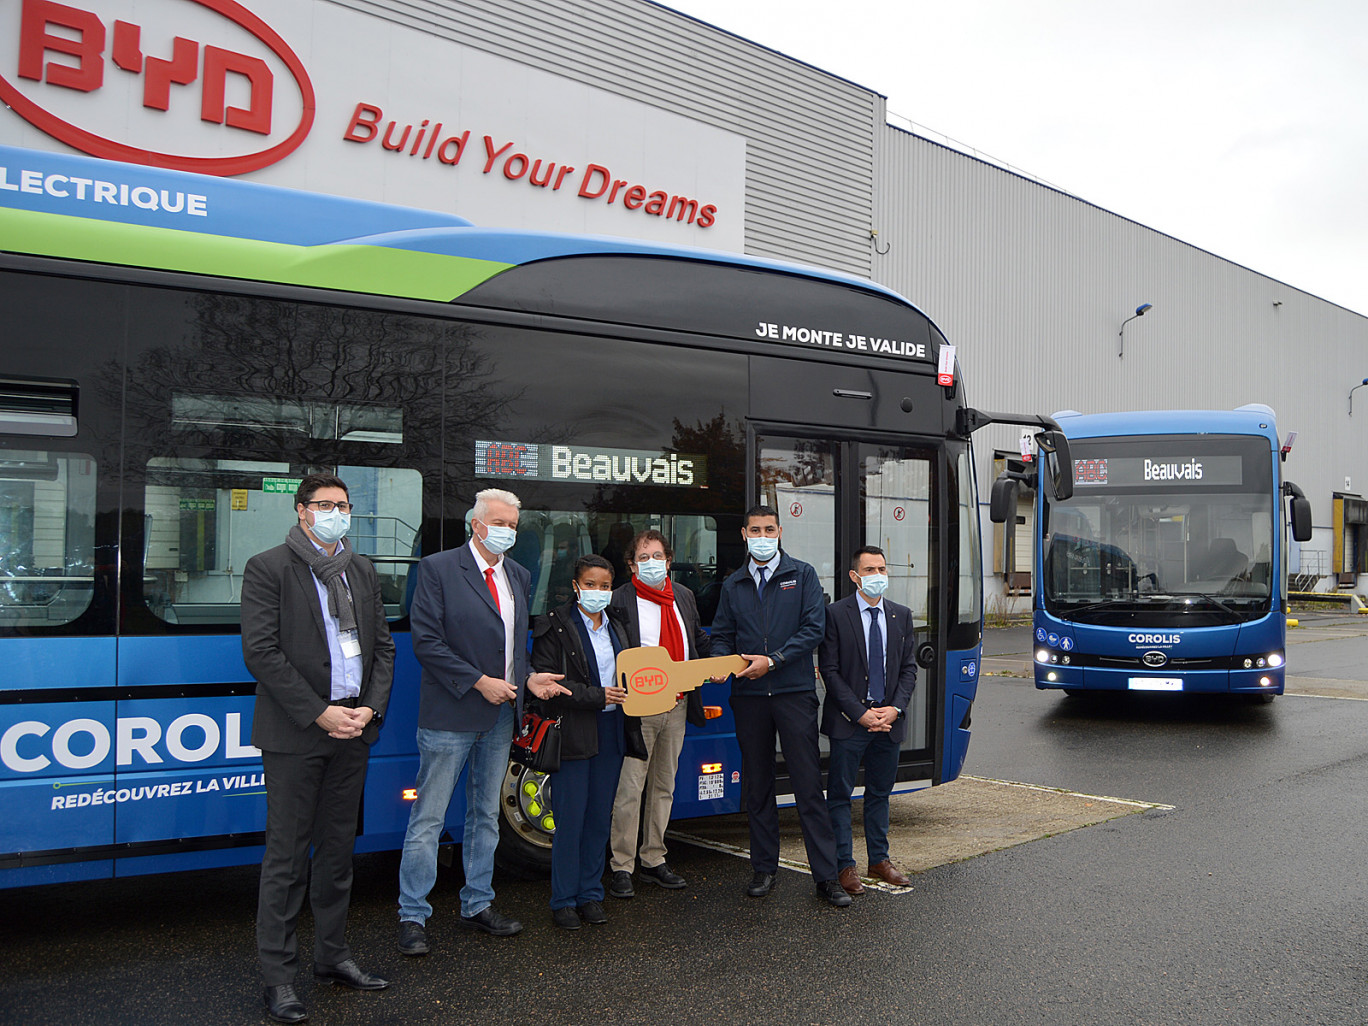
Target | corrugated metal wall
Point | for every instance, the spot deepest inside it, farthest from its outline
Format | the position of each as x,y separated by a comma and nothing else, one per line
810,136
1032,285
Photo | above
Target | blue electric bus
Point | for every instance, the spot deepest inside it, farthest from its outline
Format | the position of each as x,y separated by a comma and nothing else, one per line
1166,568
180,350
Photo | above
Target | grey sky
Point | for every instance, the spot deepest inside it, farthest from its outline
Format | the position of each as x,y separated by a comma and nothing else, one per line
1234,125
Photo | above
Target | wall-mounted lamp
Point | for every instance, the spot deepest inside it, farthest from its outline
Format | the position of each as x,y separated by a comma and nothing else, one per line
1139,312
1351,395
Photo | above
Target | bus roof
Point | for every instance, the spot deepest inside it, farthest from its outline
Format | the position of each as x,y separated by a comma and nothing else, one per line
1251,419
51,203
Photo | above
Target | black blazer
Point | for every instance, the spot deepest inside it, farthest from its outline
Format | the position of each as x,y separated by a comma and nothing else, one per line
557,648
845,666
285,647
696,640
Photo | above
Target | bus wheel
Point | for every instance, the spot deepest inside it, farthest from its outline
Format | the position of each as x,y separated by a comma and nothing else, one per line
1074,692
526,823
1261,699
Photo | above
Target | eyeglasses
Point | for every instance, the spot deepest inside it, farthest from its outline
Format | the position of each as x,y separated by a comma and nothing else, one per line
324,506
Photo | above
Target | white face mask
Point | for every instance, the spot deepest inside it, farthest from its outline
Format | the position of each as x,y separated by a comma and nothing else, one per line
652,571
593,600
762,548
330,527
499,539
874,585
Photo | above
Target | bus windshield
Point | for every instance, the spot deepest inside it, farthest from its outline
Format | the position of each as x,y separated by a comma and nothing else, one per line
1177,528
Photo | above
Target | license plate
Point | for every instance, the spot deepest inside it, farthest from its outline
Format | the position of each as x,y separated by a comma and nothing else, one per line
1155,683
710,785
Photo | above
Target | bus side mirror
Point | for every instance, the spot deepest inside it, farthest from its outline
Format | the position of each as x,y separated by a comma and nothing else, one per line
1301,512
1002,503
1301,518
1057,463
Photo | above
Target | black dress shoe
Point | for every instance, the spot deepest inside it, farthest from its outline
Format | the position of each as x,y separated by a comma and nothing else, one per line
592,912
349,974
283,1004
413,938
761,884
833,893
489,921
621,884
566,918
664,876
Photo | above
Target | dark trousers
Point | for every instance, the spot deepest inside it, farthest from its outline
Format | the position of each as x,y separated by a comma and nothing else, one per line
312,801
792,717
879,753
582,792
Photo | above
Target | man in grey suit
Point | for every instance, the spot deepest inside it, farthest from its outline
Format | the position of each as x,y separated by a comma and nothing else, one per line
314,637
868,662
469,617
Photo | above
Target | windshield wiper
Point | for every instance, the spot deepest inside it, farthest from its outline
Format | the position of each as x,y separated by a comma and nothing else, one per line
1121,603
1212,599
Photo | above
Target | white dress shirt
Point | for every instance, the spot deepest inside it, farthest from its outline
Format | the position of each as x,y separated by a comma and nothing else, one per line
507,607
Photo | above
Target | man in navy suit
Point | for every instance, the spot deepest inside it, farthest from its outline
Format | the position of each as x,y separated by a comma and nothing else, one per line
469,620
868,662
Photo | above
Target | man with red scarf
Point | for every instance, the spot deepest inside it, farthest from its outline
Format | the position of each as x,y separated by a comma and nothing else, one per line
657,611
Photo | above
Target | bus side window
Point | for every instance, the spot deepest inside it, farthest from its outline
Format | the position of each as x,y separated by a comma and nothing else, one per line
47,537
549,542
205,518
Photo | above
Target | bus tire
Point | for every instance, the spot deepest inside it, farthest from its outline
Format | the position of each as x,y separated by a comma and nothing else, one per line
1261,699
526,823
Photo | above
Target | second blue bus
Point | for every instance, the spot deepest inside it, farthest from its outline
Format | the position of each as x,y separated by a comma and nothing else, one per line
1166,568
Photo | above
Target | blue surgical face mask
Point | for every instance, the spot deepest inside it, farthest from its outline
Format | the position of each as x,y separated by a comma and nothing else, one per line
874,585
652,571
330,527
499,539
592,601
762,548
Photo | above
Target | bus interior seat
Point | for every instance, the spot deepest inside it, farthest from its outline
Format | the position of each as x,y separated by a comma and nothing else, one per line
1223,560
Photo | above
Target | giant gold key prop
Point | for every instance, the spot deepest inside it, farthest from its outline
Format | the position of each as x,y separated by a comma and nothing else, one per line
652,679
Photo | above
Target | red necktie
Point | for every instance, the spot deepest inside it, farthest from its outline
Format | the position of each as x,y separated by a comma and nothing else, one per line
489,580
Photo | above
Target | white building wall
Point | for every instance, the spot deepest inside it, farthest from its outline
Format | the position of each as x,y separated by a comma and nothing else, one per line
1032,285
810,136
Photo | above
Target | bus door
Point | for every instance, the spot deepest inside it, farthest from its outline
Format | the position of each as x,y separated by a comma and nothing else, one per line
835,495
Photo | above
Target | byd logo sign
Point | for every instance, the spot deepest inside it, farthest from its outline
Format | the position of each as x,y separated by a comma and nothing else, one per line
649,681
208,76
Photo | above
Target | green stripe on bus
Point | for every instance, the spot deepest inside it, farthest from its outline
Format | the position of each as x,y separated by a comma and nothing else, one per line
379,270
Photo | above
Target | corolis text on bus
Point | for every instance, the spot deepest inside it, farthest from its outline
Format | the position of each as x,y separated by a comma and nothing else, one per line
31,746
93,190
840,340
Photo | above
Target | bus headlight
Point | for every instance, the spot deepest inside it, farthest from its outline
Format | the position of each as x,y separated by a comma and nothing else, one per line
1275,659
1042,655
1248,663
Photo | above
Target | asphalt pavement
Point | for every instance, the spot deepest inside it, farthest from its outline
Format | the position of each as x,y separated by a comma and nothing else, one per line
1243,903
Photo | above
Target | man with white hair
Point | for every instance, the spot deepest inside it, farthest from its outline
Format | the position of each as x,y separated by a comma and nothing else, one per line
469,618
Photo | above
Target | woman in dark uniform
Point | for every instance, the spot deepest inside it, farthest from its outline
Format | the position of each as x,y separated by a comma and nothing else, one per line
579,640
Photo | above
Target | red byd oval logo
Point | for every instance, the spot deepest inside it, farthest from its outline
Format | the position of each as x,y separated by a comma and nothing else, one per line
208,73
648,680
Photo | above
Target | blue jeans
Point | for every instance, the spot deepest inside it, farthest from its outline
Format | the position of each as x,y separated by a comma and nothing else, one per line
442,754
880,757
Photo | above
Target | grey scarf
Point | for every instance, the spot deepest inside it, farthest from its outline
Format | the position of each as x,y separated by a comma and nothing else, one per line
329,570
